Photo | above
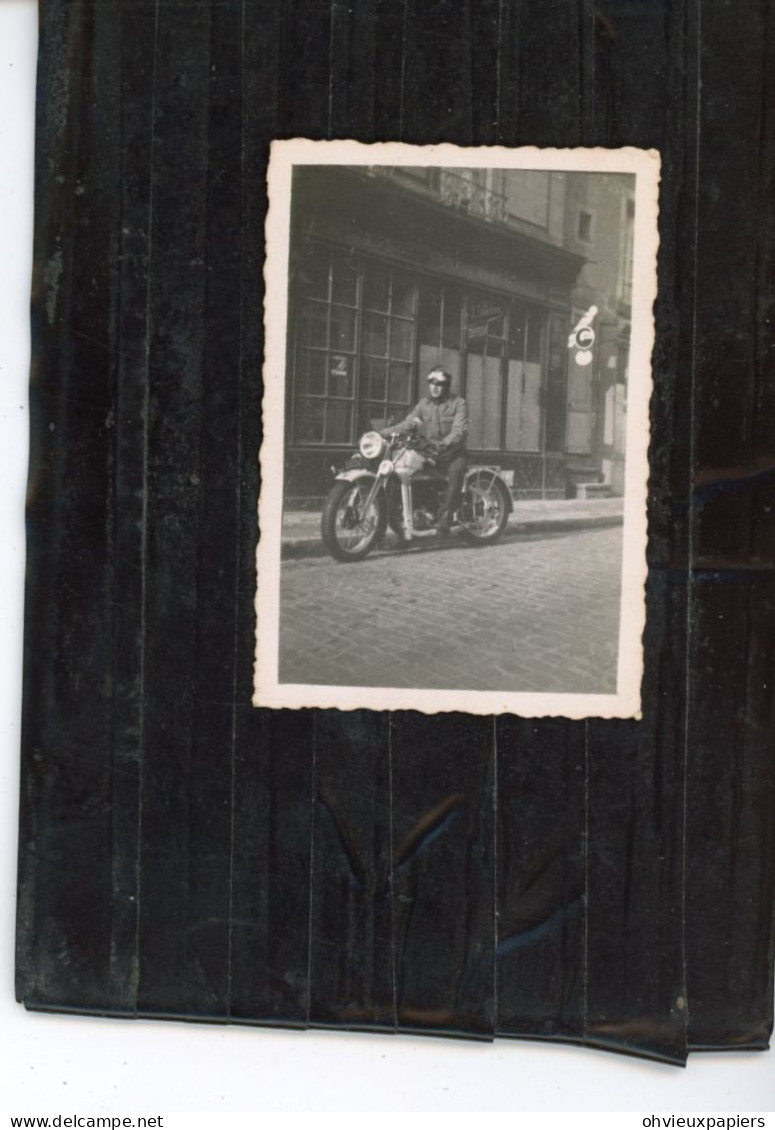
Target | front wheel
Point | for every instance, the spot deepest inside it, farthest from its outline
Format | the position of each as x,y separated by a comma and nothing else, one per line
349,527
484,512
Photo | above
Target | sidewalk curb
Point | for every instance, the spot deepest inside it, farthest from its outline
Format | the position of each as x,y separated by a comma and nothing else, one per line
294,548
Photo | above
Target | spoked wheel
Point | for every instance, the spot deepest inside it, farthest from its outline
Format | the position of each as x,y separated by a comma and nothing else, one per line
485,509
349,527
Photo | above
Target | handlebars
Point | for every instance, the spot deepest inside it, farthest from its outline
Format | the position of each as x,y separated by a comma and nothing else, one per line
415,442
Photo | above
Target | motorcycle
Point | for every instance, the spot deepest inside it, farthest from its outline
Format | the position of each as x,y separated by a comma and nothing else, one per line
393,482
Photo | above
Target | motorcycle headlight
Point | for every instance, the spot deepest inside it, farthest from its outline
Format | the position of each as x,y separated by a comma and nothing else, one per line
371,445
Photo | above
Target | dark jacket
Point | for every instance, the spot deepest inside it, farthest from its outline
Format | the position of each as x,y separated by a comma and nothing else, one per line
445,422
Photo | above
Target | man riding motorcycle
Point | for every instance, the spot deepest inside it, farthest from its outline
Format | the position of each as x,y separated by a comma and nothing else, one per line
442,420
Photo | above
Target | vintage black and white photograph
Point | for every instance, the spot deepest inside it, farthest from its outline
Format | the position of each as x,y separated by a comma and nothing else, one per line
454,459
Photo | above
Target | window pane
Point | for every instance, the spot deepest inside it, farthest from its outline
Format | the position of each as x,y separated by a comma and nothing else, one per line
517,323
374,378
535,323
450,359
309,420
338,422
375,416
342,328
313,277
484,316
492,402
401,338
344,283
312,324
376,292
530,430
396,413
403,297
474,396
523,408
429,324
400,381
375,334
430,356
451,329
514,405
312,372
340,375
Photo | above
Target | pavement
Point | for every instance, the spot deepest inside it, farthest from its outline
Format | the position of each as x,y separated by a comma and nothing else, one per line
537,611
301,528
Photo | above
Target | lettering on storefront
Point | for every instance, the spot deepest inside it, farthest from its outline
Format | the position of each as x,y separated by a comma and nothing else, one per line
338,366
480,316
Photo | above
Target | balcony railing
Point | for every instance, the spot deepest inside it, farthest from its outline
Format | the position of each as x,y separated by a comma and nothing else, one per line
456,189
459,191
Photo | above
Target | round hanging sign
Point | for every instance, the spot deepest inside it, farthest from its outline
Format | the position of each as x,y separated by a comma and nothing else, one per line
585,337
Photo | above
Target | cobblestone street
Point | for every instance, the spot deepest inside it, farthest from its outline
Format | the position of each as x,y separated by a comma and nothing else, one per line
536,613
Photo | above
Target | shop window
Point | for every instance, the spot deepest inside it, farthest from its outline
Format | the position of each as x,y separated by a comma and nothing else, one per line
313,278
402,297
484,378
325,360
450,322
342,328
535,334
401,339
439,329
485,317
314,325
517,332
376,292
374,378
344,283
312,373
375,334
523,393
387,345
338,422
311,425
485,349
399,382
429,317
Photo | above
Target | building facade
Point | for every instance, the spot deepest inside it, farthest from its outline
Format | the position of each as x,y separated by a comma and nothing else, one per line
394,270
600,225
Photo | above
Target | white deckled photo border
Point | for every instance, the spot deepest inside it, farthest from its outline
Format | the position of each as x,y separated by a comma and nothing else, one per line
626,701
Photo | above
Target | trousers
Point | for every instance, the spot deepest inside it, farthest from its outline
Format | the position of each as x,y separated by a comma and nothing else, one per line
452,464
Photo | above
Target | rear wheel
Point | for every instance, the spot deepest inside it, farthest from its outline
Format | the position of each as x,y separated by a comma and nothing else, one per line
349,527
484,512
